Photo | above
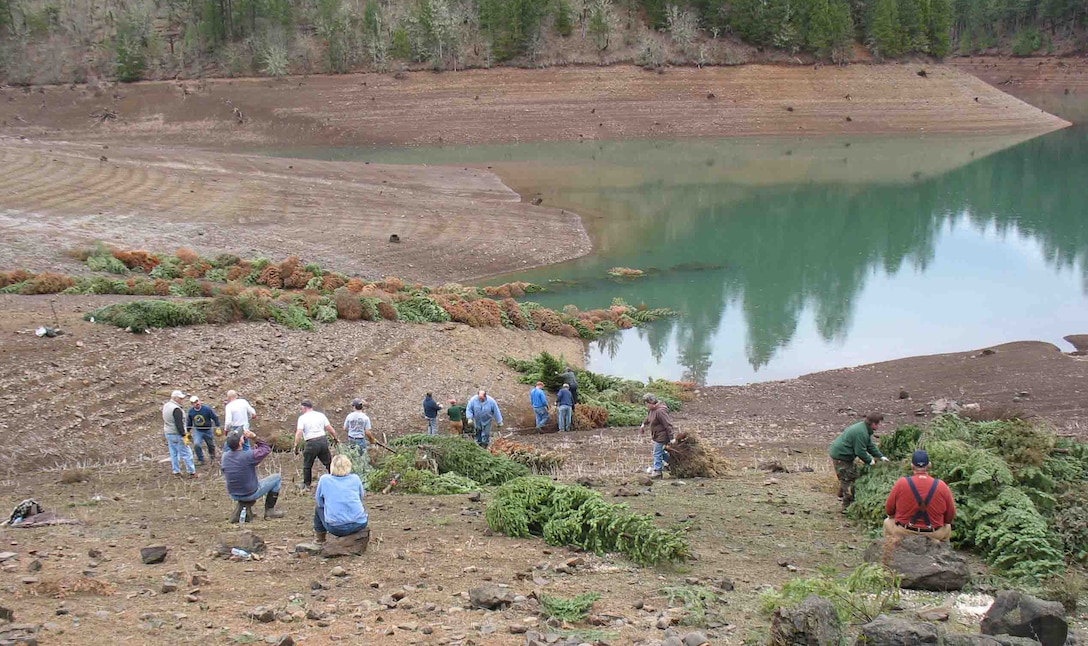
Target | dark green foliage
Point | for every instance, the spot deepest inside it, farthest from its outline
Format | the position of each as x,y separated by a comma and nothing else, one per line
409,479
574,515
870,590
695,599
564,23
886,33
1028,41
571,610
140,316
457,455
511,24
622,398
130,47
421,309
291,316
831,31
1020,504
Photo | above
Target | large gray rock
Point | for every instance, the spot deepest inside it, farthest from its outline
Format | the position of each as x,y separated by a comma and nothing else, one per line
813,622
925,564
246,540
960,639
350,545
893,631
1022,615
491,597
153,554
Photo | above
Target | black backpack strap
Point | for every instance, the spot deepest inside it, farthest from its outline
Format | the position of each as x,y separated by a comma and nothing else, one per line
923,504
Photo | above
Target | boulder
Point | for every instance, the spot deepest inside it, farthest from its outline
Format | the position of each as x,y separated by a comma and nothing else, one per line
153,554
960,639
491,597
263,614
695,638
1021,615
350,545
246,540
813,622
925,564
893,631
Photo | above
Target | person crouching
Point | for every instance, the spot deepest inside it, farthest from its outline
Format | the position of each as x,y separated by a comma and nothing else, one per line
339,497
240,472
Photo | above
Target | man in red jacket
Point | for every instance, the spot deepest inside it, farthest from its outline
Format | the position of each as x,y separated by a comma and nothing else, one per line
920,505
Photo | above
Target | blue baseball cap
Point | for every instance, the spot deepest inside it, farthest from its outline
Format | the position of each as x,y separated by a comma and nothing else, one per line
920,459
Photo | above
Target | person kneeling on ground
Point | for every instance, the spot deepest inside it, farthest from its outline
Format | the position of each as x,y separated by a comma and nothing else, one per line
657,418
854,442
339,496
240,472
920,505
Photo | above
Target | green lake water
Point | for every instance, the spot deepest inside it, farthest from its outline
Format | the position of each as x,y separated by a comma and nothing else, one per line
789,256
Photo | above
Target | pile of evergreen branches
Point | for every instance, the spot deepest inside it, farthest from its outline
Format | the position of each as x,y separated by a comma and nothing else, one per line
1007,477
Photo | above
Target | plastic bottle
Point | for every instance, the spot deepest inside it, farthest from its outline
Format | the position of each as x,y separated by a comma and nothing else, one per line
242,516
240,553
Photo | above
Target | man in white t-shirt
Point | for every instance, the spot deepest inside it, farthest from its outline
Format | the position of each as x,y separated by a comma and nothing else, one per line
357,425
314,429
236,416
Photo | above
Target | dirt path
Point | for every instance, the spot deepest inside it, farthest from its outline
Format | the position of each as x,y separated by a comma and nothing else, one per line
513,105
453,223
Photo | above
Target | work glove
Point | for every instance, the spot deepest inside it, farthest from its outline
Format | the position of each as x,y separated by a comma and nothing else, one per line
188,439
884,458
219,432
872,462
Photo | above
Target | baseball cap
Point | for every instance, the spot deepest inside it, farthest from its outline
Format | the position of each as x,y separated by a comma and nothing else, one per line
357,402
177,394
453,401
306,403
920,459
194,399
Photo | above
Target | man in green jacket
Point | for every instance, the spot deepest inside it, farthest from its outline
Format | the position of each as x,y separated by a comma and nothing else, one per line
855,442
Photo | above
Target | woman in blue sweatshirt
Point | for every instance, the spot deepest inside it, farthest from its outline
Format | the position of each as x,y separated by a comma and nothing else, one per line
339,497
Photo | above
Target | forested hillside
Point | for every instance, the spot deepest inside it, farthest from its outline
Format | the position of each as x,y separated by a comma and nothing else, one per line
56,41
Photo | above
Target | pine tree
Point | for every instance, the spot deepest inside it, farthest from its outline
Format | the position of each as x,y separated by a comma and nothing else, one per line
939,28
831,29
885,30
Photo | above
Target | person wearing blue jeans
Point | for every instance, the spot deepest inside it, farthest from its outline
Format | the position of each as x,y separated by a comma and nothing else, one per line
430,411
240,472
482,410
173,427
564,399
339,497
202,421
661,431
539,400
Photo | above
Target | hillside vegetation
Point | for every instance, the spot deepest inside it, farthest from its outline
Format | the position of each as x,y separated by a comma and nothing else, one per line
56,41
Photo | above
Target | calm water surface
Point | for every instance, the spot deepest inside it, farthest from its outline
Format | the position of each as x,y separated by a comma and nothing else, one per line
787,256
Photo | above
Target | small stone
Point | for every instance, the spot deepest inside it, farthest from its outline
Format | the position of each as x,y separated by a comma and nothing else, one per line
338,571
515,629
263,615
34,566
198,580
695,639
94,554
663,622
169,586
308,548
286,640
7,556
153,554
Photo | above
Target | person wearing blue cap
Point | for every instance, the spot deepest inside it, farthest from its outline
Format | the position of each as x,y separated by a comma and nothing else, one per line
920,505
856,442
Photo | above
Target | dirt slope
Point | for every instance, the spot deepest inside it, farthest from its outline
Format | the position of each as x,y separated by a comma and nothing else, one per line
513,105
95,394
453,223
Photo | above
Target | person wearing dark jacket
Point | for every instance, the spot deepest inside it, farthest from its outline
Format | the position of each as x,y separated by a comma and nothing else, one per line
661,432
856,442
430,411
240,472
571,380
177,438
202,424
564,402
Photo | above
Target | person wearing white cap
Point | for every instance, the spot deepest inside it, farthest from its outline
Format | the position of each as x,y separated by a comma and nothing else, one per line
203,422
173,426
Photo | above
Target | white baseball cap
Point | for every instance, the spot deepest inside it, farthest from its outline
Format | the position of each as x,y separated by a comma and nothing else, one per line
194,399
177,394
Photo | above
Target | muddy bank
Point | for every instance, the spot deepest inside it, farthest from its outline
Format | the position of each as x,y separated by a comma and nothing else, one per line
514,105
453,223
812,408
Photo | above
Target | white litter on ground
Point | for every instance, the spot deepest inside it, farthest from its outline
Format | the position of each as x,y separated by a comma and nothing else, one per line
971,607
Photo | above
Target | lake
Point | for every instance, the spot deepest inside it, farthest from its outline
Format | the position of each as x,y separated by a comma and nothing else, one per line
787,256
